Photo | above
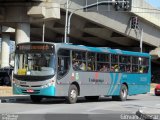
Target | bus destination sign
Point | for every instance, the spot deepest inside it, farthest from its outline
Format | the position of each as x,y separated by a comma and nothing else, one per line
34,47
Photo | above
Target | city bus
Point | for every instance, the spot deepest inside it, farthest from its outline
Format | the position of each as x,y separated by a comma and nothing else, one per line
44,70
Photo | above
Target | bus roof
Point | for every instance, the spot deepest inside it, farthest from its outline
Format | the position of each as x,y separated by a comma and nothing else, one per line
100,49
92,49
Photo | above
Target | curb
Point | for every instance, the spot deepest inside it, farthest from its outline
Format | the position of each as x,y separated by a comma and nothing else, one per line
10,100
13,99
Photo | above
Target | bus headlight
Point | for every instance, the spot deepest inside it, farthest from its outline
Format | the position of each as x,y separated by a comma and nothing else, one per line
48,85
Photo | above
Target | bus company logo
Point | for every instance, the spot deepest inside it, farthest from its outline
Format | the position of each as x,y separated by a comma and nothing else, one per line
96,80
96,75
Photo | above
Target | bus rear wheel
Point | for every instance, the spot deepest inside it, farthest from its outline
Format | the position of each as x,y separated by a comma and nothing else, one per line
72,94
123,94
92,98
36,99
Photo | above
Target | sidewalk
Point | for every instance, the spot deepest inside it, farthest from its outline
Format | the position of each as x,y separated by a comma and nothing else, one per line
7,96
5,91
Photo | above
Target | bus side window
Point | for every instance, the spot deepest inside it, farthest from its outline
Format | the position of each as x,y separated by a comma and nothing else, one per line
125,63
91,61
82,66
114,63
135,68
143,65
135,64
103,62
79,60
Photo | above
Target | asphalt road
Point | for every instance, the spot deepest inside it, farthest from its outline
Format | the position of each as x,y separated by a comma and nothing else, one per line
103,109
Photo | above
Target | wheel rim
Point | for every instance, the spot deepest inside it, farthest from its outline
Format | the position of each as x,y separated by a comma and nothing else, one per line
73,94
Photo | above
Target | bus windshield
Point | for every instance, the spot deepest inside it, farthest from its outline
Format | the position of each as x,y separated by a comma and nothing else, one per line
35,64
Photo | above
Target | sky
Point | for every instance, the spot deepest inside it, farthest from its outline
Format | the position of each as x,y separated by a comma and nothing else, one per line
155,3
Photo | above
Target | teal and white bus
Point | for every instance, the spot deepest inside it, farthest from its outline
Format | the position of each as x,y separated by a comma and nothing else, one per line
45,69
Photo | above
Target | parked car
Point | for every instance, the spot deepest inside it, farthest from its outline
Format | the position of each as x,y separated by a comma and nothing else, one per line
157,90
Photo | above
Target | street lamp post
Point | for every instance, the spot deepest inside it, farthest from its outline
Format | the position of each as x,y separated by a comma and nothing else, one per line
69,20
43,32
141,41
66,22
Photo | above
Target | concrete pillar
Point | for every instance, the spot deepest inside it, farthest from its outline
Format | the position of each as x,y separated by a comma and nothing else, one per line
5,50
22,33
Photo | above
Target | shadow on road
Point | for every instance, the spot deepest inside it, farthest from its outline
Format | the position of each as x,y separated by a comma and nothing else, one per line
47,101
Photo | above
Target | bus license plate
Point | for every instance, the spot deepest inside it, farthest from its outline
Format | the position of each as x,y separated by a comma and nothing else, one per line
30,91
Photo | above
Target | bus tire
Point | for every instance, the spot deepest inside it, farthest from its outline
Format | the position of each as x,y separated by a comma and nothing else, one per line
92,98
36,99
123,93
72,94
157,94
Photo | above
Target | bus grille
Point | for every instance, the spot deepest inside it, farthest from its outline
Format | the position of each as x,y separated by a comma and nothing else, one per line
36,86
24,85
30,86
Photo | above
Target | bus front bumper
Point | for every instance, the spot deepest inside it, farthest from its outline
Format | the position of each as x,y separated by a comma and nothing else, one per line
48,91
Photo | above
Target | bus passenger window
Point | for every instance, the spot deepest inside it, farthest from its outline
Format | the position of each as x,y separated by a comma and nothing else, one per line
143,65
75,64
91,57
125,63
135,62
128,68
82,66
103,62
135,68
114,63
89,67
79,60
122,68
114,68
146,69
105,68
141,69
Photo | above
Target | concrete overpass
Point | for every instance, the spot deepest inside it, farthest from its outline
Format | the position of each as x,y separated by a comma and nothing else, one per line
22,21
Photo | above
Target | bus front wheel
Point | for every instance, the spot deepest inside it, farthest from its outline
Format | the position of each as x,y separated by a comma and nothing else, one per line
123,94
72,94
36,99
